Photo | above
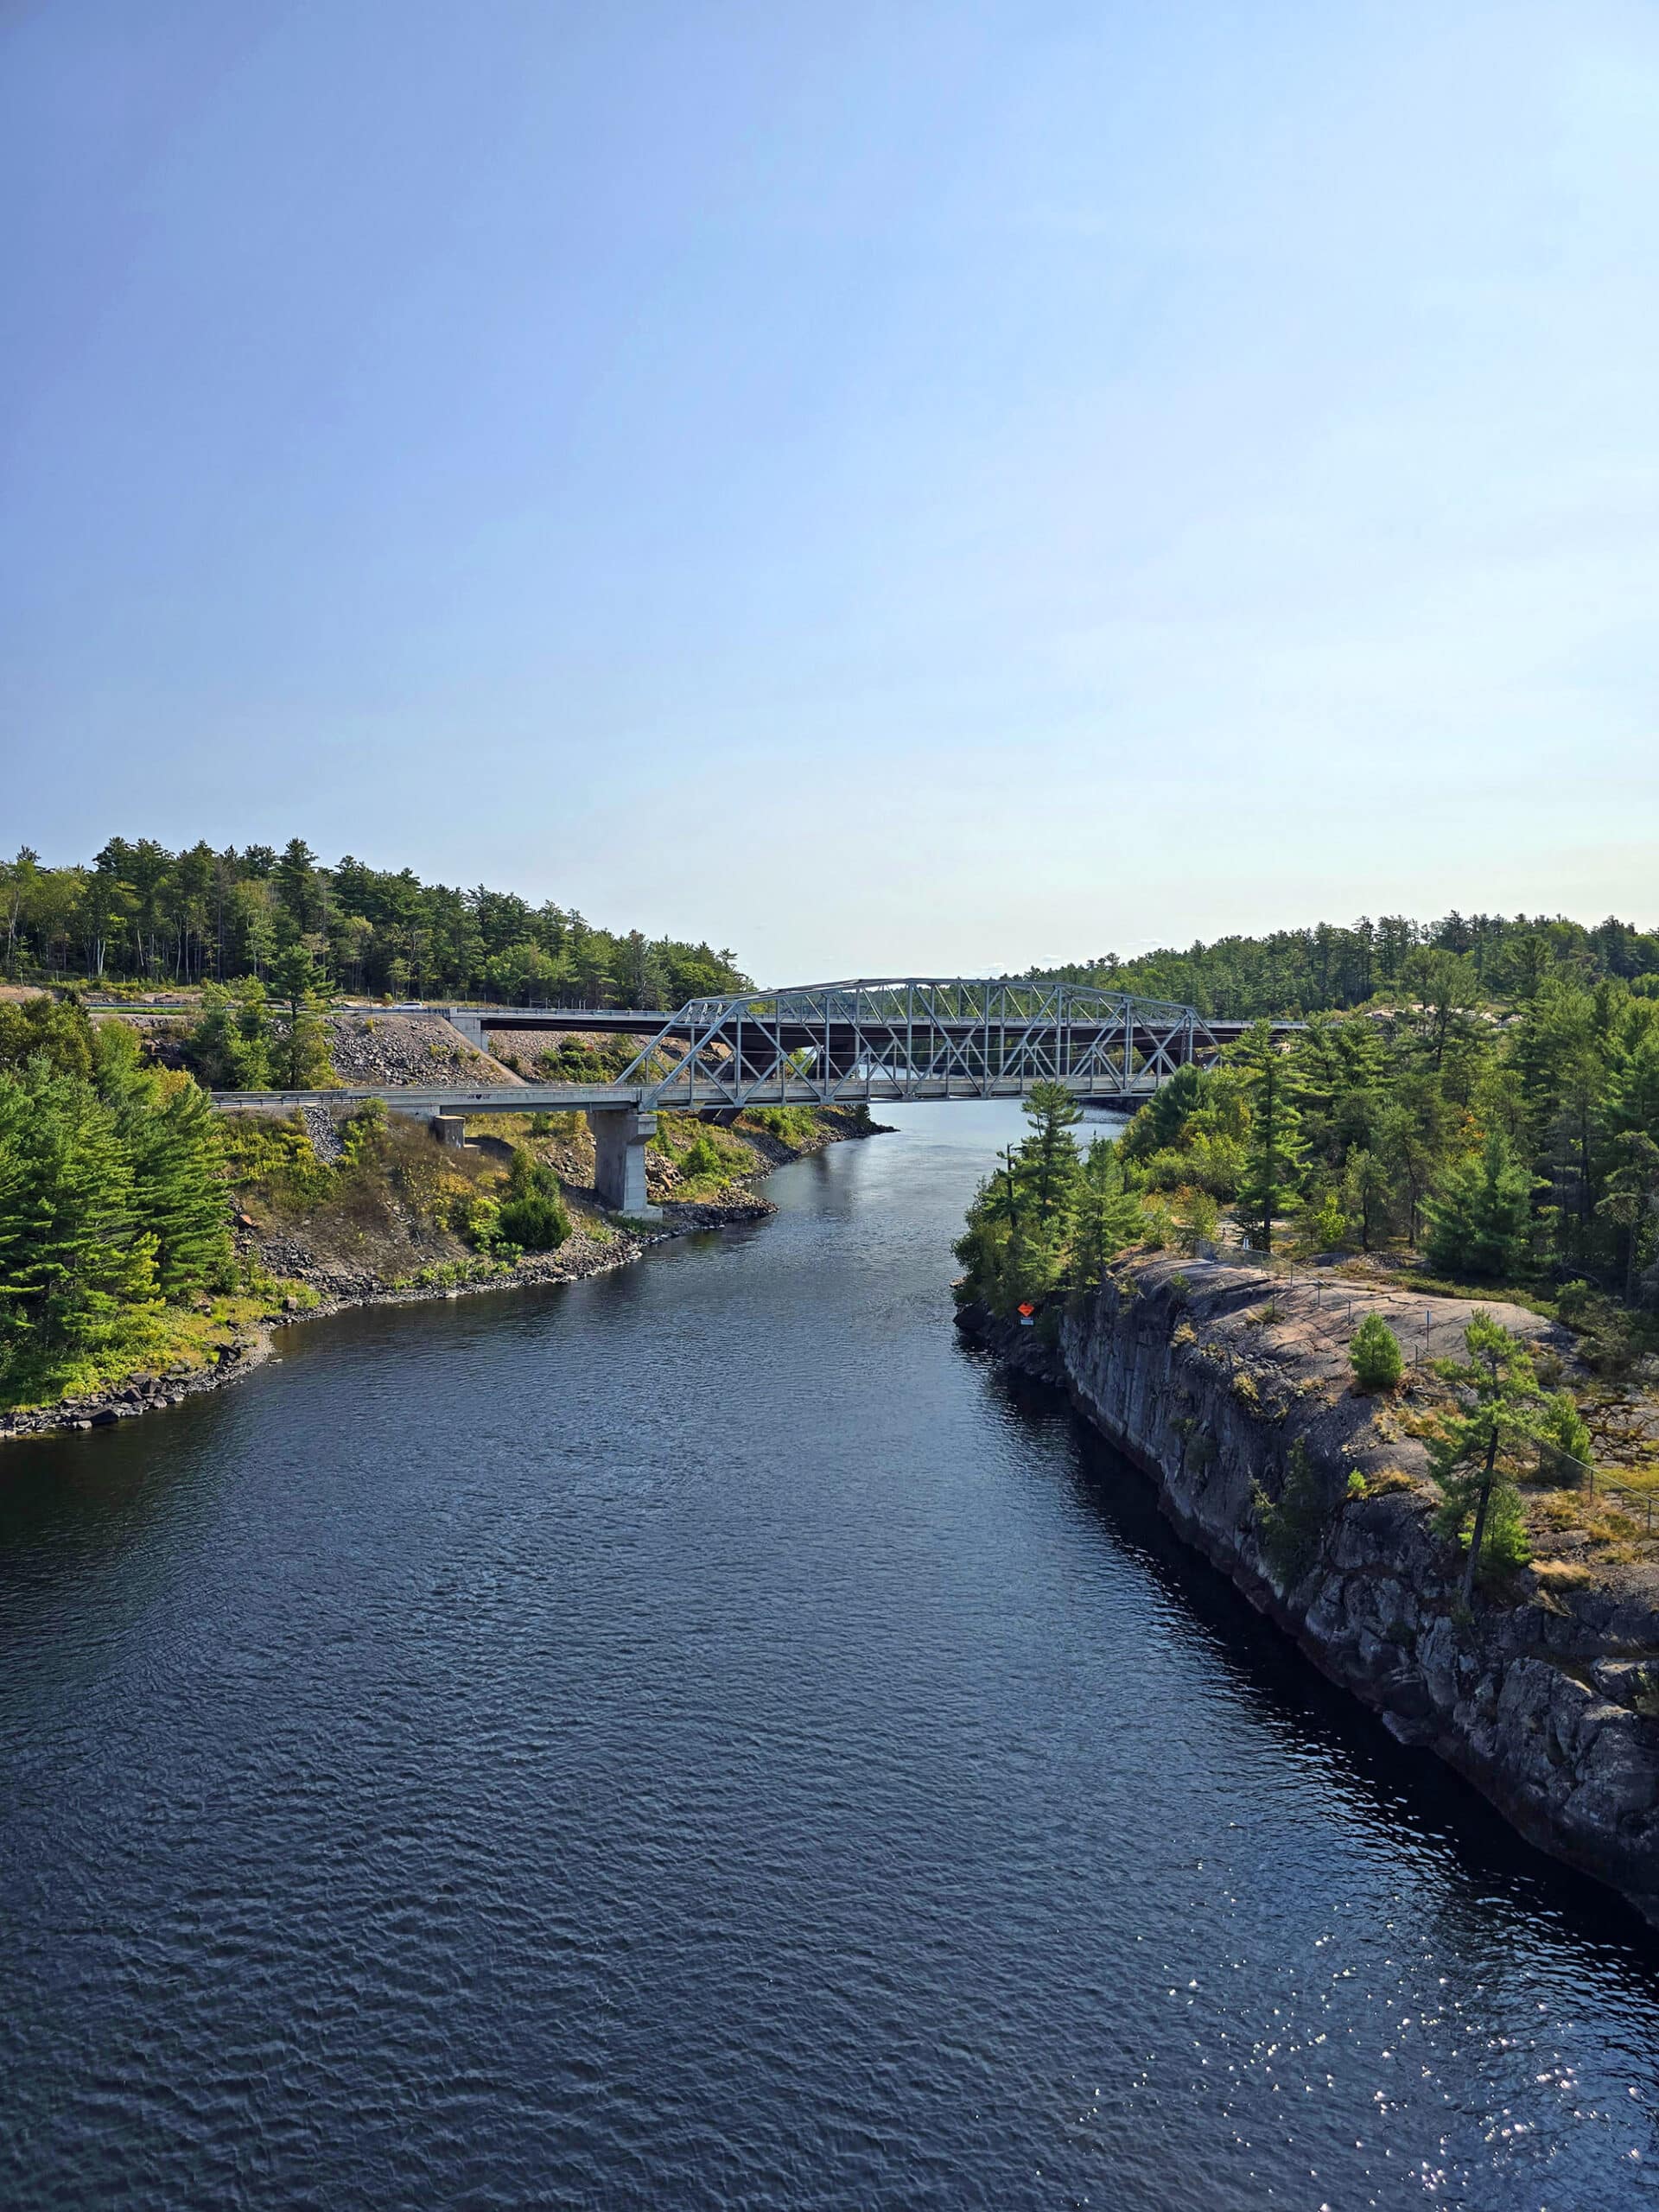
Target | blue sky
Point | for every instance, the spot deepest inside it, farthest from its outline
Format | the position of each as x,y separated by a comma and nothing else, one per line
892,488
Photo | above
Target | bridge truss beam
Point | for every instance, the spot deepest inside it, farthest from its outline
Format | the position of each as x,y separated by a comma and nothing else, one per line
915,1038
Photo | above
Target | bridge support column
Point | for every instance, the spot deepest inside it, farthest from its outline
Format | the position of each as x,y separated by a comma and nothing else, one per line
471,1025
620,1136
448,1129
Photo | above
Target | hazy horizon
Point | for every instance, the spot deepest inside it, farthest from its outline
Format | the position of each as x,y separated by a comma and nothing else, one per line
911,491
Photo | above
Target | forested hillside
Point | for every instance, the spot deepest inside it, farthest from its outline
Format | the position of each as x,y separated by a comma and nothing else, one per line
139,913
1514,1148
1497,959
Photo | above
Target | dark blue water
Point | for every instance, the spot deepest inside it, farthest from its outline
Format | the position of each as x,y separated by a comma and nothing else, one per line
699,1738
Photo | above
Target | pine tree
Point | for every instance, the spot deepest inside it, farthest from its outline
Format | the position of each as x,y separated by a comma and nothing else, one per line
1632,1198
178,1190
1367,1189
1108,1217
302,1051
1464,1459
1048,1165
1374,1356
1565,1441
1479,1215
230,1048
1274,1150
296,878
1161,1122
75,1265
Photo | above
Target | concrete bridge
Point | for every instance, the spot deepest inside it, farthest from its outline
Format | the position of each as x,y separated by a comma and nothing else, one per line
859,1043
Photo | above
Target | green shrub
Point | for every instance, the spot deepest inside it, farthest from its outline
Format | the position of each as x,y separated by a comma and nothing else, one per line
701,1161
1375,1355
476,1217
533,1214
537,1223
1325,1225
276,1157
794,1125
361,1136
1202,1224
1293,1524
1564,1439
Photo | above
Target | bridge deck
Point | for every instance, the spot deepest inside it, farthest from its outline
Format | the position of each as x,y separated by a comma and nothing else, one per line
872,1042
566,1098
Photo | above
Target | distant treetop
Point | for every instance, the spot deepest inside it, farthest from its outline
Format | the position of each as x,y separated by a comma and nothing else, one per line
1495,959
140,914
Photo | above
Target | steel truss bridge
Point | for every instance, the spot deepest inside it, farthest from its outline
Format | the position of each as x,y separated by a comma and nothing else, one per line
859,1043
836,1043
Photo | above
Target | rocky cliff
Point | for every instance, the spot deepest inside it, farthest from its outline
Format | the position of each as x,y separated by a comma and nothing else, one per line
1546,1697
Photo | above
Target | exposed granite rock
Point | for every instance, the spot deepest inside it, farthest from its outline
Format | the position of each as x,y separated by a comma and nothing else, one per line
1547,1698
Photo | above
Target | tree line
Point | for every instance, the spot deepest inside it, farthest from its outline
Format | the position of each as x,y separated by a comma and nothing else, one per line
140,914
1495,959
1516,1148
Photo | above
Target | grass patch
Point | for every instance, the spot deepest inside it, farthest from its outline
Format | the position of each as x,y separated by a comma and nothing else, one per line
1421,1284
791,1125
162,1341
1562,1573
710,1159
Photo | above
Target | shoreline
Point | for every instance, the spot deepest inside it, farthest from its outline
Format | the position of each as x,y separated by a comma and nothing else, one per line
248,1349
1543,1697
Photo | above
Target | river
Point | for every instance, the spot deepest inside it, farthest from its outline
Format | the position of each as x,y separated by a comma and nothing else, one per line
700,1738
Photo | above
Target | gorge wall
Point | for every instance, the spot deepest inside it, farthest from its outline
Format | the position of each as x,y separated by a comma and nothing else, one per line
1546,1697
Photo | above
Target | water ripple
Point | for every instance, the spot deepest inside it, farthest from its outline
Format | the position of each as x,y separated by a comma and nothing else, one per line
697,1739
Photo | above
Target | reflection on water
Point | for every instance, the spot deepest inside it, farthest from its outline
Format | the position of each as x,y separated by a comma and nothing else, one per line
703,1738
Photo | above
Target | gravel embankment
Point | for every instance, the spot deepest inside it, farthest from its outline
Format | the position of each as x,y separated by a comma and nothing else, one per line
420,1050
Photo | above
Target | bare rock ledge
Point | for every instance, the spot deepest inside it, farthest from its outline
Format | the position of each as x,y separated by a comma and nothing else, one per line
1545,1698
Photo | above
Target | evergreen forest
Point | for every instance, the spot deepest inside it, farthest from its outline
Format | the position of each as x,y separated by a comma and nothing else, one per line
114,1213
1515,1147
138,914
1485,959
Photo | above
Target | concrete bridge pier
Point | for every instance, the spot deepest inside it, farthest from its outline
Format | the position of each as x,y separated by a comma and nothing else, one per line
448,1129
620,1136
471,1025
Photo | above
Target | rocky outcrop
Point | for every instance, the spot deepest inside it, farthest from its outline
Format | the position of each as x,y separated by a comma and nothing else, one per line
1546,1696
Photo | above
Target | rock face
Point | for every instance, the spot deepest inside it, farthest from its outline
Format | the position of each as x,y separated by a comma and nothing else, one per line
1547,1698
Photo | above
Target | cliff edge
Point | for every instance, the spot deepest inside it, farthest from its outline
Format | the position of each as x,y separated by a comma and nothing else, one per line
1545,1695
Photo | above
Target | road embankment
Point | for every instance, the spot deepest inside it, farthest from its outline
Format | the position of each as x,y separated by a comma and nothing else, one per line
1545,1695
